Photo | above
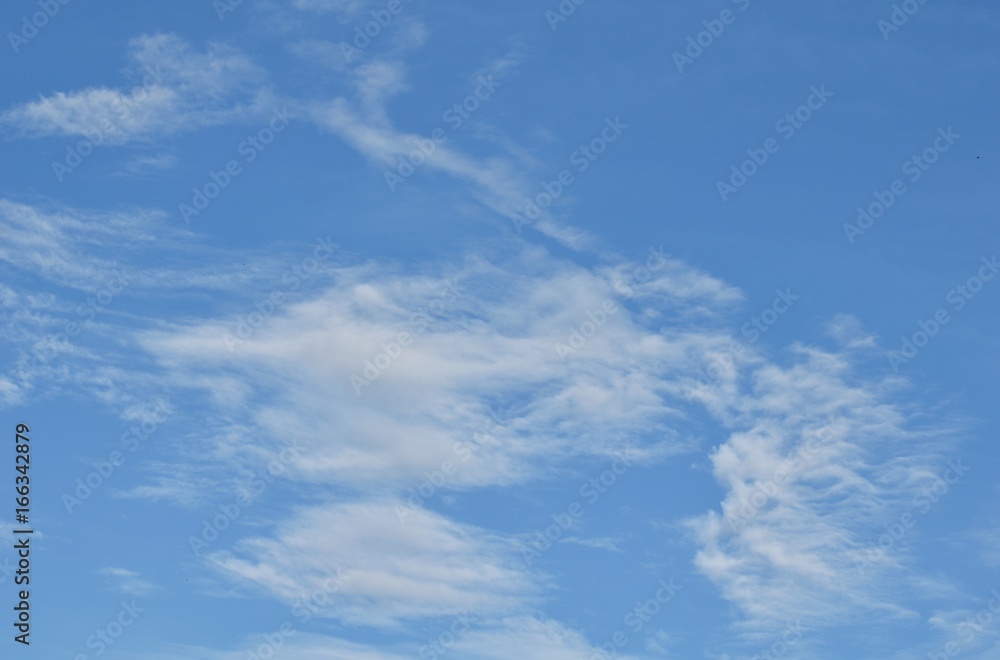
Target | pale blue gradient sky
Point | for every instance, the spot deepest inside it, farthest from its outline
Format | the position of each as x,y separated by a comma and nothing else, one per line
730,374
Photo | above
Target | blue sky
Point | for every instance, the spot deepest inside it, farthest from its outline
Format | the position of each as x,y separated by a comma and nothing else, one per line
522,329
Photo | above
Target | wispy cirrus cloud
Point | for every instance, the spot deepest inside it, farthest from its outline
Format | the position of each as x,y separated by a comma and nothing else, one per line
143,165
532,638
126,581
501,342
632,386
817,460
388,572
497,181
345,8
176,89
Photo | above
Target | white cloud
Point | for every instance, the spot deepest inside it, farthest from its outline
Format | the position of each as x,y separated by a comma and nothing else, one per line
492,343
145,165
848,331
816,461
529,638
176,89
629,387
498,181
50,243
83,250
324,53
409,34
95,266
388,572
126,581
344,8
601,543
519,637
495,344
659,643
